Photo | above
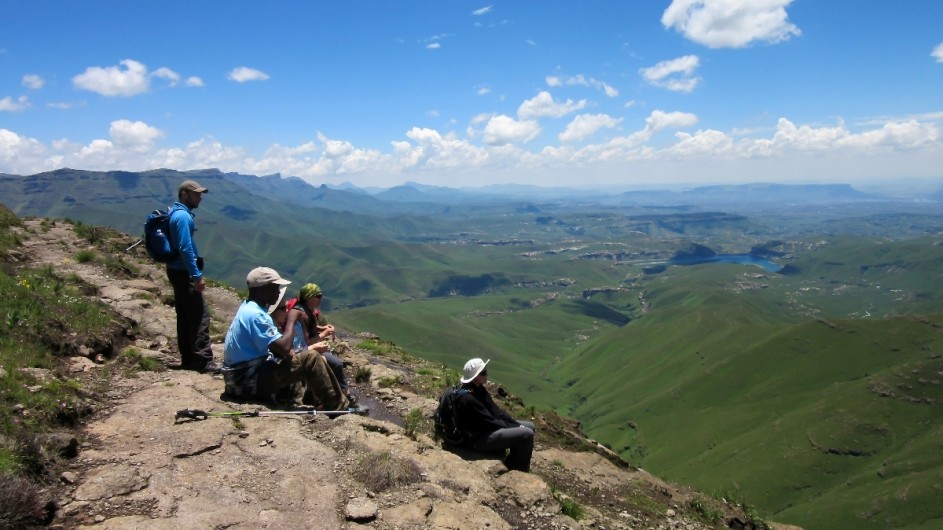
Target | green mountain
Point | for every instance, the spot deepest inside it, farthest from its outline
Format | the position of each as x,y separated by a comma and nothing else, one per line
812,393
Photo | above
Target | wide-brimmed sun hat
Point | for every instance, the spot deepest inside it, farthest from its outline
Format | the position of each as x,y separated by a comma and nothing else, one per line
473,368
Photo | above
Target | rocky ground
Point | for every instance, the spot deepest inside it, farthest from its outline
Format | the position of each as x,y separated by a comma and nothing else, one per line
136,466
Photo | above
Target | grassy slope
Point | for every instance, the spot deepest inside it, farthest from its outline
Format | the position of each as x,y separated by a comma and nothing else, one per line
722,391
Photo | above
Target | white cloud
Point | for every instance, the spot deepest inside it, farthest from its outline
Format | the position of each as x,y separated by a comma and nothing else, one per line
243,74
659,120
542,106
194,81
433,46
114,80
503,129
33,81
937,53
9,104
730,23
169,75
585,125
676,74
483,90
582,80
482,11
134,135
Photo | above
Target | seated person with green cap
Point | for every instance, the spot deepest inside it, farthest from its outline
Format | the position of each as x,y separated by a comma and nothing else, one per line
259,359
488,427
317,331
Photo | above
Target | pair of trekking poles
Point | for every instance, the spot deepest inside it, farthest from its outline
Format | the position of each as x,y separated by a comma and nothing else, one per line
197,414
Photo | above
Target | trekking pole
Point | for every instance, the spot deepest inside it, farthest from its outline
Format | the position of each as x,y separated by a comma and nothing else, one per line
134,245
196,414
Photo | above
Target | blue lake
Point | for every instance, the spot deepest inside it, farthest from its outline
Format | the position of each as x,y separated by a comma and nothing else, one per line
742,259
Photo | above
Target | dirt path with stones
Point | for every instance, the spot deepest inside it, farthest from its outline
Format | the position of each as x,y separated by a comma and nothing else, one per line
139,468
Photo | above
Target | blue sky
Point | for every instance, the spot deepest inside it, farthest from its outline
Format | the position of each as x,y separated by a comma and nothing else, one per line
454,93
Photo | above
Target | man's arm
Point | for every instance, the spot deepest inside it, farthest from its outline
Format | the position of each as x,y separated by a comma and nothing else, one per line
281,346
180,222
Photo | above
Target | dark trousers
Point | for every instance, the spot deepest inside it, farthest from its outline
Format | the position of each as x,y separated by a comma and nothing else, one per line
337,366
518,440
193,321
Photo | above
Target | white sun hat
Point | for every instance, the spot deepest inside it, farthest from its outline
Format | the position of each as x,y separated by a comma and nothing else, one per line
473,368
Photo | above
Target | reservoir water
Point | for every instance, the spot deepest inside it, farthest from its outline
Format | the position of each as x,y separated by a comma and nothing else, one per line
743,259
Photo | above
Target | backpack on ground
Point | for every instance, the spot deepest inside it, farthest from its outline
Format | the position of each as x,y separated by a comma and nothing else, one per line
446,418
157,237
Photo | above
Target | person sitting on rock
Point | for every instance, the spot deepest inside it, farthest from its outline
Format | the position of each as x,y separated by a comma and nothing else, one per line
259,359
488,427
317,331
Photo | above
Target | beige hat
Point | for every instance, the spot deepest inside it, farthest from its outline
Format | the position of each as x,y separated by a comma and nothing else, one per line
473,368
260,276
192,185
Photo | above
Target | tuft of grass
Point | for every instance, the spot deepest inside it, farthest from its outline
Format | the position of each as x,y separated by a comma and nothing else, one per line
414,423
388,381
85,256
139,361
380,471
363,373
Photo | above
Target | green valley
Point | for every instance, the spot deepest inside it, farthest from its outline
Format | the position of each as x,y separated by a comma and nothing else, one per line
813,393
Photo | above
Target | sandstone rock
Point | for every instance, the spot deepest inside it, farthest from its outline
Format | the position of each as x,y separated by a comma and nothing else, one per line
465,516
408,515
361,510
112,481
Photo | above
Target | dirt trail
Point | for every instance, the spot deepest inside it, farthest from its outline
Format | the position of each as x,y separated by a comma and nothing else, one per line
139,468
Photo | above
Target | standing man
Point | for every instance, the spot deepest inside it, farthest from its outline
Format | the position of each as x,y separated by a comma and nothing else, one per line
488,427
186,277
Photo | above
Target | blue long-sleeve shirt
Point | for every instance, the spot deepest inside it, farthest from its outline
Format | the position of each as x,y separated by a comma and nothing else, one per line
182,228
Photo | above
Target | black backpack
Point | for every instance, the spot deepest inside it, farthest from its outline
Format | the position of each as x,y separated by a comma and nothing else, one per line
157,237
446,418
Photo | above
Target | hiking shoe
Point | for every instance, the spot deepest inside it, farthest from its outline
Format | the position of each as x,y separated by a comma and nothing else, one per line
211,367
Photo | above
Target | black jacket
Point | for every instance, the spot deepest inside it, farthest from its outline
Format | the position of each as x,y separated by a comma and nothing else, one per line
478,415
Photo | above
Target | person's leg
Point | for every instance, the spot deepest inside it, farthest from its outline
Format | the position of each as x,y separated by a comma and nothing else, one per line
193,322
337,367
311,368
519,440
180,282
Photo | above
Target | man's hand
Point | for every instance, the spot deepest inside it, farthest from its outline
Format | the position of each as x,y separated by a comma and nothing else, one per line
199,285
320,347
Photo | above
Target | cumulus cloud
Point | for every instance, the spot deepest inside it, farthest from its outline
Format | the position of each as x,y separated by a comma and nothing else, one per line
134,135
481,11
433,46
244,74
194,81
676,75
581,80
543,106
503,129
129,78
730,23
937,53
9,104
169,75
33,81
585,125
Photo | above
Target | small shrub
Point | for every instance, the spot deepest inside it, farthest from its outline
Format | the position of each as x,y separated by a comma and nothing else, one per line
572,509
363,373
21,503
413,423
85,256
381,471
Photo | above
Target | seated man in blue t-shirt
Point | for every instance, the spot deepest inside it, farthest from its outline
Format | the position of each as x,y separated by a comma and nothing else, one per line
259,359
